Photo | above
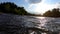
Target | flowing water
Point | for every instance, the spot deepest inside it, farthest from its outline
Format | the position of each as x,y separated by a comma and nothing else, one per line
45,23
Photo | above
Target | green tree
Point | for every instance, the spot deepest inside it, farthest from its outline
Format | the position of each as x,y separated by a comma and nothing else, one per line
12,8
54,13
48,13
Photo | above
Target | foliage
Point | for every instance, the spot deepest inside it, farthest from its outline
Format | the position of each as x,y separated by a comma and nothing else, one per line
54,13
12,8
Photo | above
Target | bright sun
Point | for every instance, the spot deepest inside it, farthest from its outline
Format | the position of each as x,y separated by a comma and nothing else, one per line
41,7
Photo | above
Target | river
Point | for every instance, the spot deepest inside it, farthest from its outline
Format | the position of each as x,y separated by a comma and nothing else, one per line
47,23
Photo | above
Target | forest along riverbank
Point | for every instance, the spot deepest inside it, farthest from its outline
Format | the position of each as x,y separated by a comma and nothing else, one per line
48,23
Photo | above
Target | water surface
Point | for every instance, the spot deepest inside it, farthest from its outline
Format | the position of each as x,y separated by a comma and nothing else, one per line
52,24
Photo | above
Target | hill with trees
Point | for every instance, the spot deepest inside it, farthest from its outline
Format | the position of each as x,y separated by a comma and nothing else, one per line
52,13
8,7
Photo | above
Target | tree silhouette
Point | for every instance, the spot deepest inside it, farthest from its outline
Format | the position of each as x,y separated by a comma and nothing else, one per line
12,8
48,13
54,13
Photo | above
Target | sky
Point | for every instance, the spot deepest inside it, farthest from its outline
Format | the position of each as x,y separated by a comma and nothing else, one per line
36,6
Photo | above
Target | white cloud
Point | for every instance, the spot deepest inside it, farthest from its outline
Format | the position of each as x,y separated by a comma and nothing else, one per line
42,7
58,5
26,0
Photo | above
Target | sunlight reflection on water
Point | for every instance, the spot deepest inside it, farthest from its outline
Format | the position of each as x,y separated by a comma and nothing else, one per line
52,24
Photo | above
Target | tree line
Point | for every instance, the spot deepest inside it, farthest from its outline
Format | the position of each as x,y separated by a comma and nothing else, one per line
8,7
52,13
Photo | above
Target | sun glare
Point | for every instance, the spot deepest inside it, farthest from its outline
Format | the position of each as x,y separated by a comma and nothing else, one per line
42,7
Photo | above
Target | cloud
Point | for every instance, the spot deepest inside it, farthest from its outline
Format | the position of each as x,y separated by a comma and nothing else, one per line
33,1
58,5
42,7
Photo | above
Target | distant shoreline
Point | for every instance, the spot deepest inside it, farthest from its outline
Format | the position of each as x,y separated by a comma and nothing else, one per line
29,15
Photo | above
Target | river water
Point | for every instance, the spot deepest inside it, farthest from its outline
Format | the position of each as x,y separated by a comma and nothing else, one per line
47,23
